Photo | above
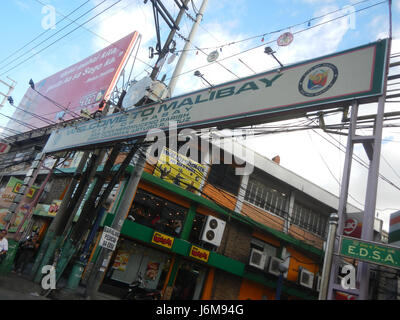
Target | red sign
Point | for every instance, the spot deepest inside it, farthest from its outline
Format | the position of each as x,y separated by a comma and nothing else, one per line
4,147
353,225
83,85
344,296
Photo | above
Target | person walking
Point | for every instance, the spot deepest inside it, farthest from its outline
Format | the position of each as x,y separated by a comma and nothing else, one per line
3,245
28,250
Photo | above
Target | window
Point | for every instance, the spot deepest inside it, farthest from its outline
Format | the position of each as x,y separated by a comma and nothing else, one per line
308,219
224,177
157,213
267,196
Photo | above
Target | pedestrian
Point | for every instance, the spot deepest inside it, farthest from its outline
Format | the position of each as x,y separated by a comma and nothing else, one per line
28,250
3,245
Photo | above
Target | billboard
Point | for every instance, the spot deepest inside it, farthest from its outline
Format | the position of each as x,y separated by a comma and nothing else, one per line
287,92
180,170
82,85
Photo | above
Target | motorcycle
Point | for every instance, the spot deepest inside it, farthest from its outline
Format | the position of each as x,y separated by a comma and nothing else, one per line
137,291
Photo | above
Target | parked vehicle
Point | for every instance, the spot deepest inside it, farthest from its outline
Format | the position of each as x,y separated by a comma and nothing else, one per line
137,291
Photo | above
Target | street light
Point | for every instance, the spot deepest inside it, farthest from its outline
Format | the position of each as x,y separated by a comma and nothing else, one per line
282,270
197,73
269,51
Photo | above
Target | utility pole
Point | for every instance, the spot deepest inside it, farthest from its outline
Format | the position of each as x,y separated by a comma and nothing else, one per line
330,244
11,88
97,273
186,48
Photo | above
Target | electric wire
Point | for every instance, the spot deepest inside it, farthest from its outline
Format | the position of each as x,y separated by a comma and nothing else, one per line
43,41
47,30
281,29
41,50
257,210
330,171
258,46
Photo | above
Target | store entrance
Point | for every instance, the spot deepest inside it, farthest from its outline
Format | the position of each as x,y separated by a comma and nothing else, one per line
189,281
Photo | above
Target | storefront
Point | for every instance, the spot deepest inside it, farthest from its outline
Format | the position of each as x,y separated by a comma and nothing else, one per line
132,259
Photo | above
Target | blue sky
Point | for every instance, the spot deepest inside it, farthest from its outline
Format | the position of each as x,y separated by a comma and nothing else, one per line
225,22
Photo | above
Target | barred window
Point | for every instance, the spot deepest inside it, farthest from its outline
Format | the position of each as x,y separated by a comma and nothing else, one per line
308,219
267,197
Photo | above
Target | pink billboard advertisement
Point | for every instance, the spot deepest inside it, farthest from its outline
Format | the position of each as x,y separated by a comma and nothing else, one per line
83,85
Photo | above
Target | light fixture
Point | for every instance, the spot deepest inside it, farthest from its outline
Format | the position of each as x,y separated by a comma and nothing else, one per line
269,51
197,73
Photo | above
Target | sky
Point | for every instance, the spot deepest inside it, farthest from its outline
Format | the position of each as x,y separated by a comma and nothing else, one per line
320,27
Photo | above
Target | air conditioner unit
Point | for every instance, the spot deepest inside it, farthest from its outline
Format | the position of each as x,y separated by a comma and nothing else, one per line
273,267
306,278
213,231
257,259
317,284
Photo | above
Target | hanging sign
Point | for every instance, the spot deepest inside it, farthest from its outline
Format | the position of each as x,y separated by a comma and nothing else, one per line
285,39
213,56
284,93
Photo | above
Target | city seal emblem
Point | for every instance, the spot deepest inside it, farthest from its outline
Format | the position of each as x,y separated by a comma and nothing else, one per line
318,79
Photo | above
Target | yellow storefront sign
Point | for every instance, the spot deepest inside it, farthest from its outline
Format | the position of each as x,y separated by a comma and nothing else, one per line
199,253
162,240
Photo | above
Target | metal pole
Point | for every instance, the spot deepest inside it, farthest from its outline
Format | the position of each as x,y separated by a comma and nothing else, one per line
186,48
165,49
343,194
279,287
97,274
326,270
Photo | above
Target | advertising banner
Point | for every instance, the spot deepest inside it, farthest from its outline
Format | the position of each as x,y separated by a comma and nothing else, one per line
6,199
180,170
287,92
82,85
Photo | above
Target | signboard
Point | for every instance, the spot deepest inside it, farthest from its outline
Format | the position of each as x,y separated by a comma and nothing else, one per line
162,240
82,85
109,238
180,170
316,84
4,147
7,196
199,253
394,228
353,225
369,251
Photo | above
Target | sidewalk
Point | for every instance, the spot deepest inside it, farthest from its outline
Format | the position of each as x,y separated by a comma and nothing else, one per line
19,287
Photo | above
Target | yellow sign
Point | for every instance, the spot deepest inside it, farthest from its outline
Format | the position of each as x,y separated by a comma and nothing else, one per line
162,240
199,253
18,186
180,170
